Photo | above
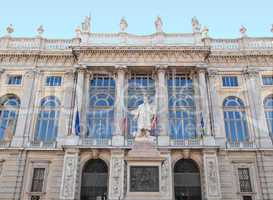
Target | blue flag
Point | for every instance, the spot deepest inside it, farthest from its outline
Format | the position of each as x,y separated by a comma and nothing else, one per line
77,124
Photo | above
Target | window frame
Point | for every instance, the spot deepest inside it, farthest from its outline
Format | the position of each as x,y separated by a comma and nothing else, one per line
229,76
53,76
262,81
37,164
8,76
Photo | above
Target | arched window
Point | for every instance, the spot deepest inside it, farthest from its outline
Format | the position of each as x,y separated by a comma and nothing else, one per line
235,120
268,108
9,107
181,107
48,120
101,107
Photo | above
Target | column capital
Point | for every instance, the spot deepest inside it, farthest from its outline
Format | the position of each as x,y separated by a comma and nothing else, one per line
32,72
121,67
69,73
213,72
202,66
251,72
161,67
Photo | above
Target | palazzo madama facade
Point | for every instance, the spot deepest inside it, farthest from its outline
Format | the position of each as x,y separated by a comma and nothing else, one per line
67,130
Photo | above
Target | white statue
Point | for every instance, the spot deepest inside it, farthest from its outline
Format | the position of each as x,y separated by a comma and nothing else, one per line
272,29
205,32
123,25
10,29
158,25
243,31
40,30
86,24
144,115
196,26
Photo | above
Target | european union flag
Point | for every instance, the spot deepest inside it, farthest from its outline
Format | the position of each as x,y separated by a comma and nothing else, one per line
77,124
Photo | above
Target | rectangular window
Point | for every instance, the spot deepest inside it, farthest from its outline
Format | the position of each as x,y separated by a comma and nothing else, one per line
230,81
14,80
38,180
244,180
267,80
247,197
53,80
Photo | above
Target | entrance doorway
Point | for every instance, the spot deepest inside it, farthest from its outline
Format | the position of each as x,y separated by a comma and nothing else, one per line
94,180
187,185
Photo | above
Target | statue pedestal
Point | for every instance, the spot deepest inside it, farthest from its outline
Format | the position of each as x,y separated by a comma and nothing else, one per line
148,171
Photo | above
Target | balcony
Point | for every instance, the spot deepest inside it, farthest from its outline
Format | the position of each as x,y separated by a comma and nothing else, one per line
194,142
42,144
241,145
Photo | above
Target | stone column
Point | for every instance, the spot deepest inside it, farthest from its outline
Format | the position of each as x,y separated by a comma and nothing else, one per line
116,177
162,105
69,176
77,106
66,111
119,115
212,178
258,119
218,127
1,78
24,112
204,105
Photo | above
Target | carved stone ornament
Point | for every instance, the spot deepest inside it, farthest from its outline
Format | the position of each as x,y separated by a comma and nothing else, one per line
116,190
30,73
165,176
69,176
212,176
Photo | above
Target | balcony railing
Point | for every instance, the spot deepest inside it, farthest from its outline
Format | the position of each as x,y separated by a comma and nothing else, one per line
195,142
42,144
96,142
241,145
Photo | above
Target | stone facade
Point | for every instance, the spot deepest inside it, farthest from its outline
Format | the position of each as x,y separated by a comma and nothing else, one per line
118,55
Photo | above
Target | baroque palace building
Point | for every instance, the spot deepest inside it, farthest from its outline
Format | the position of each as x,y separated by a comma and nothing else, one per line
67,123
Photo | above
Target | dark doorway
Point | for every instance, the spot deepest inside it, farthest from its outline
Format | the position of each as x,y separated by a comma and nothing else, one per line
94,180
187,184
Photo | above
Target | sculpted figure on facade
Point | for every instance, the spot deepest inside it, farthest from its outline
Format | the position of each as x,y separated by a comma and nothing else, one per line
10,29
144,115
123,25
40,30
205,32
86,24
243,31
159,25
165,177
212,177
196,26
116,176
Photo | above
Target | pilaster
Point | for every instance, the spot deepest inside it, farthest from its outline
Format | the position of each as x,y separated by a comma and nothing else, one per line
78,105
162,105
218,126
24,113
67,106
258,119
69,176
212,177
118,135
116,180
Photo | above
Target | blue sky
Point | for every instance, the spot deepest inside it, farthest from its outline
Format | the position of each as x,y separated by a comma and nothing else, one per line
60,17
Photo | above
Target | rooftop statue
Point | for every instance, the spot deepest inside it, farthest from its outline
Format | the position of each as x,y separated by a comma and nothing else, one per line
40,30
78,32
272,29
196,26
159,25
10,29
144,115
243,31
86,24
205,32
123,25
